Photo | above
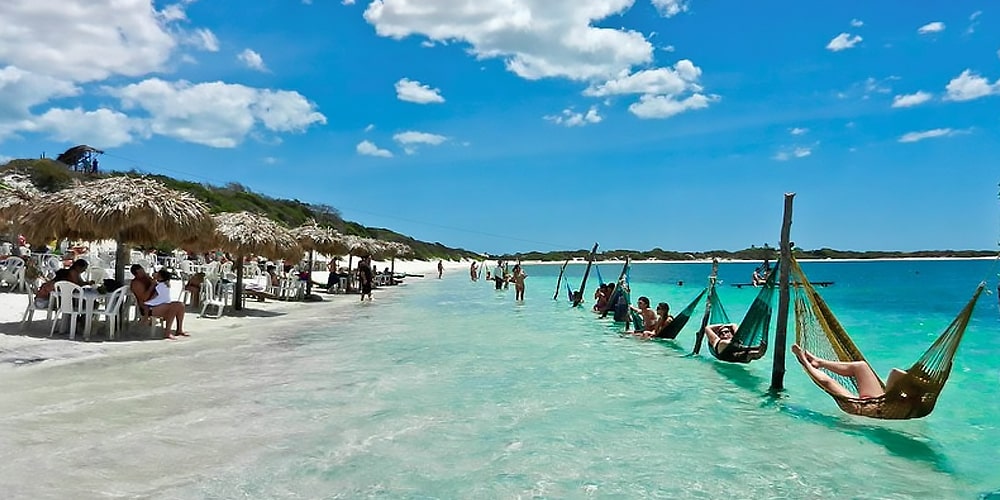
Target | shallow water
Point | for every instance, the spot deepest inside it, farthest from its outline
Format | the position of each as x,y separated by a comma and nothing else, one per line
449,389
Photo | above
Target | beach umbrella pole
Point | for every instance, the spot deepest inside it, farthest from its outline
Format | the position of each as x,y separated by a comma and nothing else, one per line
121,258
309,282
349,257
238,291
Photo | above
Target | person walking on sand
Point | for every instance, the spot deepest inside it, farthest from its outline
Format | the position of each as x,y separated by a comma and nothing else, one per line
518,277
440,268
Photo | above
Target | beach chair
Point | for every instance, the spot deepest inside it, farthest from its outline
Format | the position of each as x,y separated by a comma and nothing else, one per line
13,274
71,304
112,312
29,313
210,299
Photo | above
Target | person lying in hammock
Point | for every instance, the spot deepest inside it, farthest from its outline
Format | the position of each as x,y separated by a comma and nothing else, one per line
721,335
663,318
868,383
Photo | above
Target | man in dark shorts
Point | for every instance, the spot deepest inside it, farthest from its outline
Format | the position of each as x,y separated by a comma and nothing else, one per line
366,276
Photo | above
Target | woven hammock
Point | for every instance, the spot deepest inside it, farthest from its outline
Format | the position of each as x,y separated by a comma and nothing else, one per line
750,342
674,327
914,395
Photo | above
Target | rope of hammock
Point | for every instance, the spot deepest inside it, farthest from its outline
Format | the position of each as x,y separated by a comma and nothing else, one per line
914,395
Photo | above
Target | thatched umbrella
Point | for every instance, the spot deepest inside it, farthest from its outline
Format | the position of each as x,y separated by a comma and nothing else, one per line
242,233
17,193
313,238
395,249
125,209
360,246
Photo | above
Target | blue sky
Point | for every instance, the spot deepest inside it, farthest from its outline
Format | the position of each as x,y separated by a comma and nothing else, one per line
516,125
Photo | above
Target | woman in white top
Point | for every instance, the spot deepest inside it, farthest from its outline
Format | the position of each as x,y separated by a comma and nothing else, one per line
161,306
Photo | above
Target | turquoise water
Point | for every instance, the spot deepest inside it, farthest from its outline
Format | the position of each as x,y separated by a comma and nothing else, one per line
449,389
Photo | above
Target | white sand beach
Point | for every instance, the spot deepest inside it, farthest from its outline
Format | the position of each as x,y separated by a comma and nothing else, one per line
32,344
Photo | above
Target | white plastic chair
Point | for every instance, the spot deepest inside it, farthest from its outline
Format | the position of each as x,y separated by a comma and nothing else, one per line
71,303
112,310
29,313
13,274
210,299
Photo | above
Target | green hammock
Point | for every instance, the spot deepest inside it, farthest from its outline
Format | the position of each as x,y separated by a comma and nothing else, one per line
914,395
674,327
750,342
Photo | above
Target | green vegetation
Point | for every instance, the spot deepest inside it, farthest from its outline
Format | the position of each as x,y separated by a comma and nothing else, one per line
50,176
752,253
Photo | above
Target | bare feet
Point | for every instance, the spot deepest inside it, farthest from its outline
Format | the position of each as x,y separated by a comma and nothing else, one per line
182,334
170,336
805,356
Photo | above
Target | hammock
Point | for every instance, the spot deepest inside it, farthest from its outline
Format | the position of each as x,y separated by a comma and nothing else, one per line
914,394
750,342
674,327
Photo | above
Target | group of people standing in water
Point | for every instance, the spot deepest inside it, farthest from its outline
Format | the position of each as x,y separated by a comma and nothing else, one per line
502,277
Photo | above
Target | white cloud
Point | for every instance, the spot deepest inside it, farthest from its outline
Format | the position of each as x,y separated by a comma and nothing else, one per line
86,40
370,127
670,8
927,134
174,12
651,81
998,53
346,2
796,152
798,131
969,85
252,59
20,91
843,41
368,148
909,100
102,128
203,39
570,118
413,91
857,23
975,15
270,160
934,27
216,114
665,106
662,90
535,38
668,48
414,137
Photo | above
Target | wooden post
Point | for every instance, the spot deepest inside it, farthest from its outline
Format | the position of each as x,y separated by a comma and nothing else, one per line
583,284
350,256
708,306
238,287
781,327
559,279
309,282
122,254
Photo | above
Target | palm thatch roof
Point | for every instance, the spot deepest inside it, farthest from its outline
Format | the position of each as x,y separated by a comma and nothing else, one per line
126,209
361,246
245,233
312,236
17,194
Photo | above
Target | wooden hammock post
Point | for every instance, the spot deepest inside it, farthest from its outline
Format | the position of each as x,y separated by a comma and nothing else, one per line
583,285
781,327
708,306
621,276
559,280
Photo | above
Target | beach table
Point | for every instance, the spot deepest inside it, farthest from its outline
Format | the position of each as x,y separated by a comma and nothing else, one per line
91,298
